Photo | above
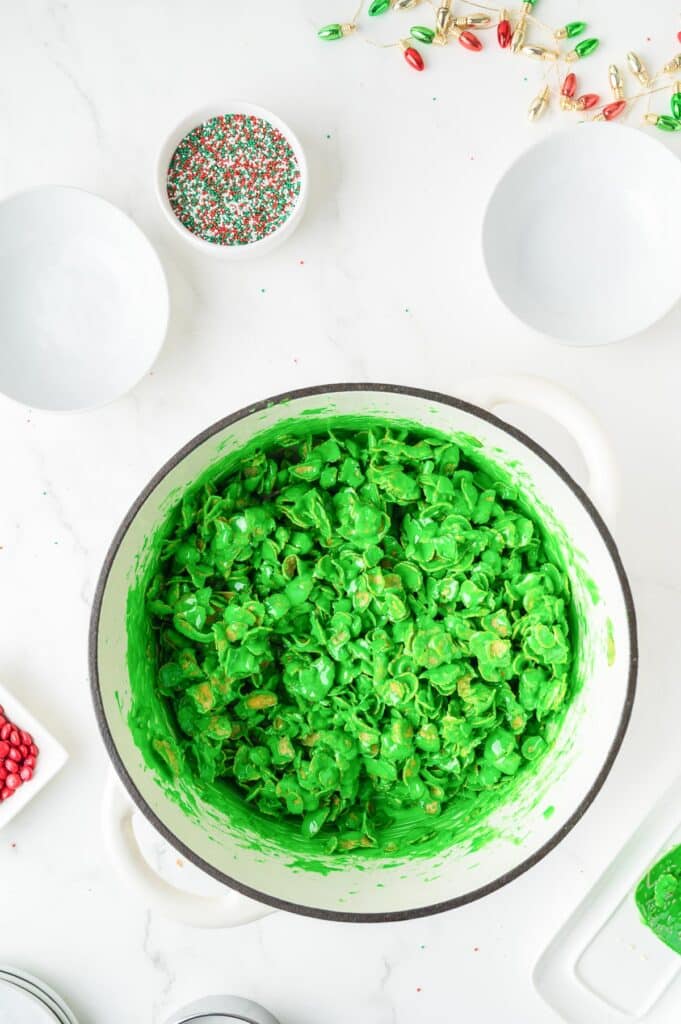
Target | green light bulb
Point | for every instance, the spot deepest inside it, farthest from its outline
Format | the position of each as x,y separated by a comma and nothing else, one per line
574,28
668,124
586,47
676,106
422,33
331,32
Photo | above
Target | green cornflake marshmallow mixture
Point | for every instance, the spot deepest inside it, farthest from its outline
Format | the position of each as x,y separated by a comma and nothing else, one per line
359,628
658,898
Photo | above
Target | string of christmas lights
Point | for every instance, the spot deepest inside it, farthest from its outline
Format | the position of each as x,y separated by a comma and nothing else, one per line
517,31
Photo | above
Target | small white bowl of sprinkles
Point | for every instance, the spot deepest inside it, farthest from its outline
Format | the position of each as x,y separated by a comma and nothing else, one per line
233,180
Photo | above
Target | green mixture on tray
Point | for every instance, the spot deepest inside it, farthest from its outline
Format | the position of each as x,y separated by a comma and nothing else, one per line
359,627
658,898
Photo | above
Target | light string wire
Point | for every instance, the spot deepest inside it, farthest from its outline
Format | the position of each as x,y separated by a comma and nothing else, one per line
357,13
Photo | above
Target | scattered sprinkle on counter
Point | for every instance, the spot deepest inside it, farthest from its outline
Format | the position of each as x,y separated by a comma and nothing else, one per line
233,180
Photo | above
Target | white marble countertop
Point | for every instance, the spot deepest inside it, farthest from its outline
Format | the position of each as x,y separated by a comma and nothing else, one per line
383,281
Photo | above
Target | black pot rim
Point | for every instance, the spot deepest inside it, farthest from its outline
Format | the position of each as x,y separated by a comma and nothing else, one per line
315,912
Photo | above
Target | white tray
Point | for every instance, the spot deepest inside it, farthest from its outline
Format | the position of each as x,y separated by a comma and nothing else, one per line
605,966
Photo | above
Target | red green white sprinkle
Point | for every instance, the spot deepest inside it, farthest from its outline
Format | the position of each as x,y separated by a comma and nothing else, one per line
233,180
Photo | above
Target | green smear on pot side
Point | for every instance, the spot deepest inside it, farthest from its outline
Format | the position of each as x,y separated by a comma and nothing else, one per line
442,743
658,898
610,643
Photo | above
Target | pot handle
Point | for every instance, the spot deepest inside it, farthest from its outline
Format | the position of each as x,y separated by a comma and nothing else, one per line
223,911
545,396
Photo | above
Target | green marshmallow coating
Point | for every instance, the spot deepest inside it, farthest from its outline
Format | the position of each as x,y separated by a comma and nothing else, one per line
355,627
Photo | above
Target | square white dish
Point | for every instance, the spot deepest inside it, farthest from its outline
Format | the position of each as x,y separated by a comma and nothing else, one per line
51,758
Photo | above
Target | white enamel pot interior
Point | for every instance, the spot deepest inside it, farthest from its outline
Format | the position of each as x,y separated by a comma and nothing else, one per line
572,772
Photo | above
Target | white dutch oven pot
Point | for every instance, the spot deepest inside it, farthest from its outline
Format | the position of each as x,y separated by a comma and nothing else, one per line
572,773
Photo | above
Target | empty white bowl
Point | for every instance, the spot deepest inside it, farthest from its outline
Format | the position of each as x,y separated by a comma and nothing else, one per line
231,252
18,1006
44,1003
83,300
580,237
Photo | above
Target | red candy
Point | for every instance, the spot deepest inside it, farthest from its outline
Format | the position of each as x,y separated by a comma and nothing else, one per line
18,756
